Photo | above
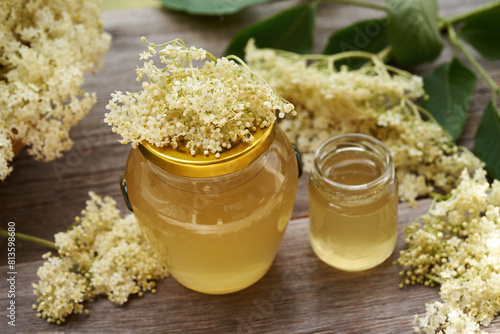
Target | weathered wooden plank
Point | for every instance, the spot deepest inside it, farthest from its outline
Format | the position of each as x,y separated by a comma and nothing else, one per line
299,294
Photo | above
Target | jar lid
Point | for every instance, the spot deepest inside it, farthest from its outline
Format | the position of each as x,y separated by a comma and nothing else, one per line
181,162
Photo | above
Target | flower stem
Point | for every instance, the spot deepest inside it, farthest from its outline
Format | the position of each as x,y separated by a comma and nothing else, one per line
337,56
30,238
423,111
361,4
385,53
249,70
434,278
436,197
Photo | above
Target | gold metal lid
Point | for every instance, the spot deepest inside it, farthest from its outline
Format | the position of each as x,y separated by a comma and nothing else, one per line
179,161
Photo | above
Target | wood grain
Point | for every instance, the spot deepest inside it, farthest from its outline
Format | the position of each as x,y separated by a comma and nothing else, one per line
300,294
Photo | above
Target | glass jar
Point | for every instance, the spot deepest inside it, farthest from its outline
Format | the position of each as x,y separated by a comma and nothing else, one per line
216,223
353,201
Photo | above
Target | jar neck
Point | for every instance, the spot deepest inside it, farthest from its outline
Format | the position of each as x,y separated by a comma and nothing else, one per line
214,184
371,150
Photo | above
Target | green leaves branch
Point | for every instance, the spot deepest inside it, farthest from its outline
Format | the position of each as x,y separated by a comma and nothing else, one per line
482,31
463,16
481,39
412,33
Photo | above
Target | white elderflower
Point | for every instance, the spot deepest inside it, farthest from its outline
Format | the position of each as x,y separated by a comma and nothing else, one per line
495,193
205,109
60,292
45,49
457,245
125,263
101,254
376,100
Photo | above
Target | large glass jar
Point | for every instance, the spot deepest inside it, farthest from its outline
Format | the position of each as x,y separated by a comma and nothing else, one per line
216,223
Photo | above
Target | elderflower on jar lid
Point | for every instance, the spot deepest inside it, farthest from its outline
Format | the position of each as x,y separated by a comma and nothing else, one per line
197,122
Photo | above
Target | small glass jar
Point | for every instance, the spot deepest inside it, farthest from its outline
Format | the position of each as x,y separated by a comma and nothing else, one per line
353,202
216,223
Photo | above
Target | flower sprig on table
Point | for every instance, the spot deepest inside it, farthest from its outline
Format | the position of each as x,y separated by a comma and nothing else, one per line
207,109
378,100
101,254
45,49
457,246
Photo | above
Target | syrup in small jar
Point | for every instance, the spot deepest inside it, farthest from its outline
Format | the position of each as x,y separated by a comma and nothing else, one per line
353,202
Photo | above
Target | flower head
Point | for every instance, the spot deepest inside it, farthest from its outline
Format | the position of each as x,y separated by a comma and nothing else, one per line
376,100
102,254
206,108
457,245
46,47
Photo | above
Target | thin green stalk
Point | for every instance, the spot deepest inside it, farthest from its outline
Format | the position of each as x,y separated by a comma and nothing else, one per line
73,224
436,197
382,55
338,56
211,57
434,278
375,58
245,66
475,11
180,42
30,238
361,4
239,60
420,110
482,72
426,113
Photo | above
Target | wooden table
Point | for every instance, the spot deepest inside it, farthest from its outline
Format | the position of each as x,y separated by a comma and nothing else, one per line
300,294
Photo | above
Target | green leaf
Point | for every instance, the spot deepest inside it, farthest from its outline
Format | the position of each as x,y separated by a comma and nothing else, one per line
291,30
482,31
210,7
369,36
450,88
412,31
487,142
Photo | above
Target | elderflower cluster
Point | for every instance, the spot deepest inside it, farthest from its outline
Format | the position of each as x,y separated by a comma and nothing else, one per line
45,49
205,109
457,245
376,100
102,254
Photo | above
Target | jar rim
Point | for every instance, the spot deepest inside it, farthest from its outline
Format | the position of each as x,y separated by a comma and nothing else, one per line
363,139
181,162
